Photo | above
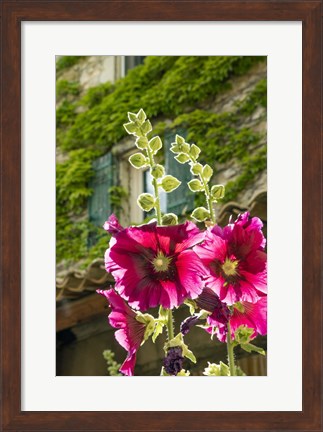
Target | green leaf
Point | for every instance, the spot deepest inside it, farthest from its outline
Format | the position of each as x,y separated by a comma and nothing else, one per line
183,372
158,330
250,347
131,128
182,158
207,172
155,144
157,171
189,354
195,185
200,214
195,151
217,192
170,183
146,201
138,160
169,219
192,306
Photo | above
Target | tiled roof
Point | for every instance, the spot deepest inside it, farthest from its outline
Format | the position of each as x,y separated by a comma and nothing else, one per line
76,283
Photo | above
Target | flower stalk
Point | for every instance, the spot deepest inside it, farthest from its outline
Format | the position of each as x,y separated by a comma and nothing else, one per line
140,127
170,327
230,352
152,164
189,153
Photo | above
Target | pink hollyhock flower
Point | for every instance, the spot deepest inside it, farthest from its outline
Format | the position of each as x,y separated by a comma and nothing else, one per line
252,315
154,265
131,332
236,260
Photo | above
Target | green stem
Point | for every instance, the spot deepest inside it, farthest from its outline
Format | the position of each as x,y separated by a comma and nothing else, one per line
170,328
230,352
157,205
155,185
208,199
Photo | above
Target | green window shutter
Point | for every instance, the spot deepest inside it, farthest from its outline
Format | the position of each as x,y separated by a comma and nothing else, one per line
181,200
104,178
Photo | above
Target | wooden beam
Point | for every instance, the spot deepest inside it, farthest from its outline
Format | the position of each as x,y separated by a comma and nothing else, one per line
74,312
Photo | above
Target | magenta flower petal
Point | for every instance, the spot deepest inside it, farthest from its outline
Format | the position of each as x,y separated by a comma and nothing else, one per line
235,260
253,315
131,332
128,365
153,265
190,270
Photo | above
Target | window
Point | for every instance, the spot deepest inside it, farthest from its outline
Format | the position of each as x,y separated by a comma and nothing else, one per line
104,178
132,61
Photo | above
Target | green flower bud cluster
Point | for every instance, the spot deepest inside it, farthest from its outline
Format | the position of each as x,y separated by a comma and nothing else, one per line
140,127
214,369
243,336
189,153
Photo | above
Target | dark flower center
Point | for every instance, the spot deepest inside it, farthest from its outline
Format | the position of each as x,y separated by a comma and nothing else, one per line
163,267
227,269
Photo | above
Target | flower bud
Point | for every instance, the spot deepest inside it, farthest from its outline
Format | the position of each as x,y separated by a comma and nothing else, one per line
195,151
132,117
207,172
157,171
182,158
214,369
169,183
195,185
146,127
137,160
200,214
196,168
179,139
169,219
155,144
217,192
173,361
141,116
131,128
146,201
243,334
180,146
142,143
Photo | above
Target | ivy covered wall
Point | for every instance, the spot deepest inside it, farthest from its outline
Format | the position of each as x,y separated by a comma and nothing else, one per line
220,101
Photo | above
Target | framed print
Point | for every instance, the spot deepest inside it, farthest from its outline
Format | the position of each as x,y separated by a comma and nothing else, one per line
64,65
